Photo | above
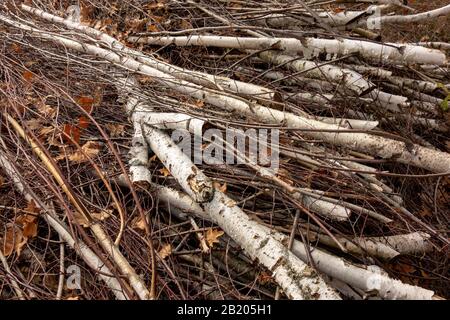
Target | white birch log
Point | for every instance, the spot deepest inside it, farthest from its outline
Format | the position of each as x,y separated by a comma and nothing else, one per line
434,45
325,208
397,53
139,149
139,157
333,19
404,19
371,178
318,194
310,47
321,99
259,244
420,85
350,123
308,82
411,243
333,211
171,121
360,277
388,101
373,71
350,79
360,246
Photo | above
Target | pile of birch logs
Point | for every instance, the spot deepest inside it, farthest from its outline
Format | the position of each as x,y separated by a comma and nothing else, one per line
91,95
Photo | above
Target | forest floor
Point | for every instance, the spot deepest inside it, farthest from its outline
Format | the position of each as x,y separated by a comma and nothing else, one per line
36,256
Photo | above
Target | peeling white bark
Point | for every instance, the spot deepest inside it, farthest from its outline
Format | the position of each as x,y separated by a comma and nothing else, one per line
350,123
360,246
403,19
397,53
411,243
333,19
326,209
310,47
359,277
434,45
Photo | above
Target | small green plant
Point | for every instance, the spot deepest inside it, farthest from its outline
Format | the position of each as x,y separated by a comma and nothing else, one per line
444,103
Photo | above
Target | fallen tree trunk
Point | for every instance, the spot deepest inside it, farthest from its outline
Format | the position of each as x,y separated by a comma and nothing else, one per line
310,47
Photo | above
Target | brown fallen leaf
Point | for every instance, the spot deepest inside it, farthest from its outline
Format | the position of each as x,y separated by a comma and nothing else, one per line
285,175
102,215
212,236
164,172
264,278
33,124
199,103
153,5
146,80
221,187
97,216
89,150
29,220
425,212
46,131
138,223
13,240
28,76
404,268
165,251
153,28
17,48
46,110
86,102
81,220
115,130
185,24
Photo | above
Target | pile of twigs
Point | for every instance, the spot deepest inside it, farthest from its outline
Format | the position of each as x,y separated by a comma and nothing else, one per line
101,100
